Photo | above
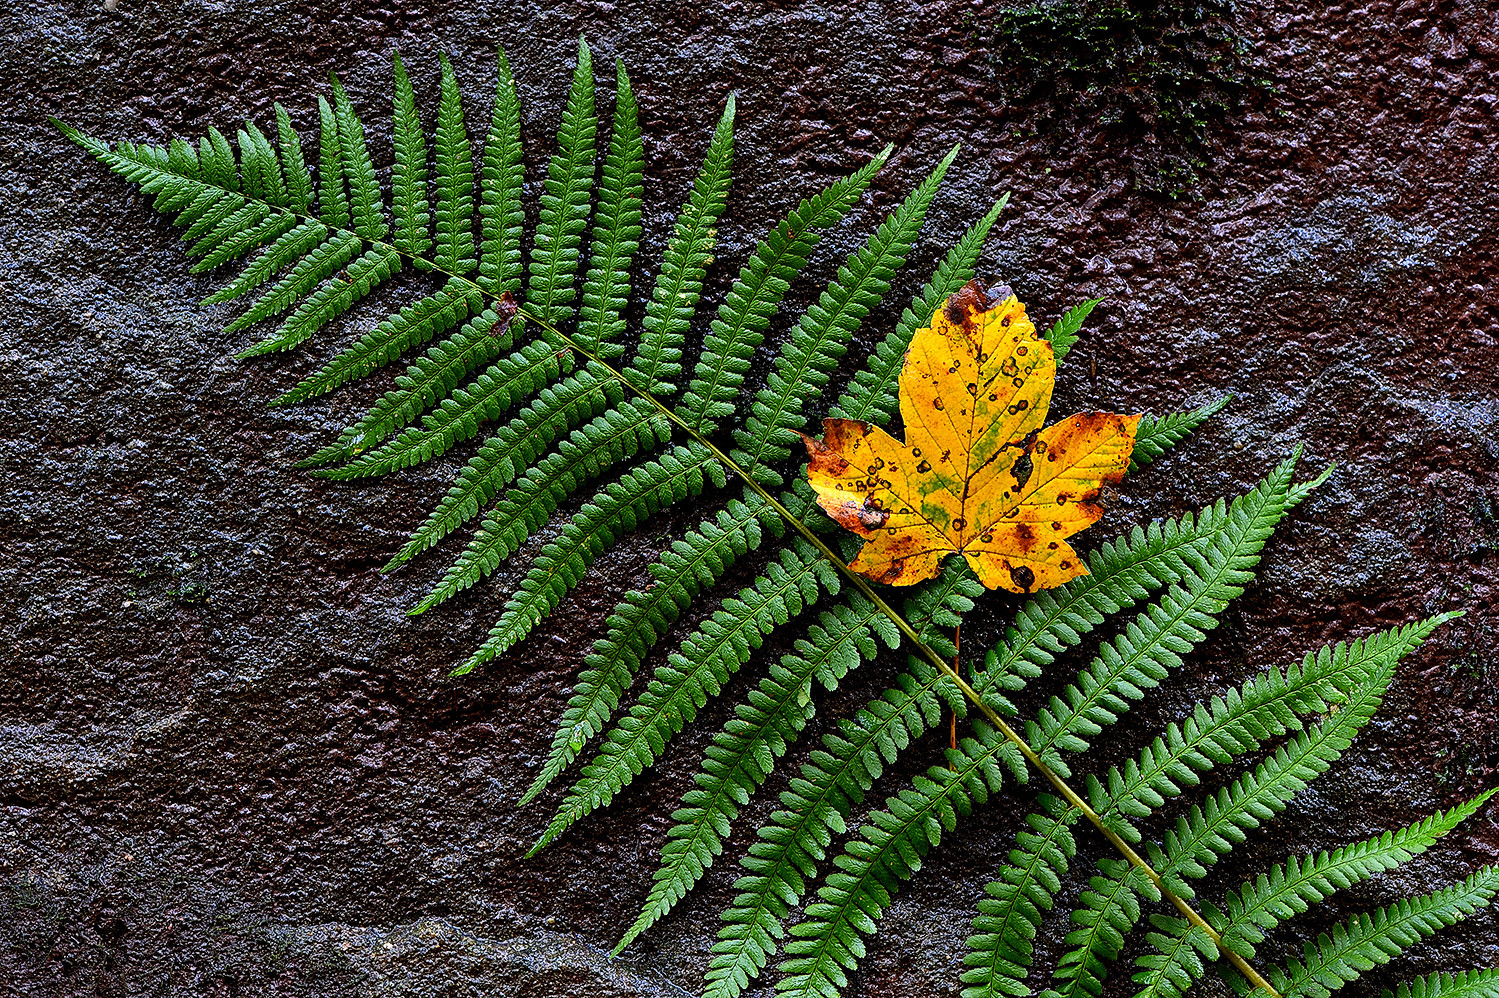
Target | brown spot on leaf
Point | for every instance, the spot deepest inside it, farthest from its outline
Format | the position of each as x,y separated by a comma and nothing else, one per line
873,518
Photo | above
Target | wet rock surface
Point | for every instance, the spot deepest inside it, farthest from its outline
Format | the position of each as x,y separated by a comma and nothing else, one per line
231,765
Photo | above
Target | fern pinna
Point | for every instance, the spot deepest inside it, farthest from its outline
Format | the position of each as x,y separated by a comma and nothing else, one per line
525,342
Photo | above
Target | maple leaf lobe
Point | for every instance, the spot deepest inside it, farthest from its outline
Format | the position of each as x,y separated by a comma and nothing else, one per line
977,475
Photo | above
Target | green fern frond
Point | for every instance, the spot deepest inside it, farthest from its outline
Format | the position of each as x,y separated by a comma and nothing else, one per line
833,782
291,246
333,200
408,177
1472,984
1181,948
620,507
658,361
1135,661
684,569
502,218
553,266
606,287
414,325
1063,333
1229,726
565,201
1003,944
458,417
217,213
609,438
507,455
616,233
1210,829
616,228
715,651
1157,434
216,161
889,849
333,298
1293,886
739,328
308,272
1106,912
1369,940
293,166
1207,832
455,179
249,229
428,378
261,167
744,752
1289,889
366,206
836,780
821,336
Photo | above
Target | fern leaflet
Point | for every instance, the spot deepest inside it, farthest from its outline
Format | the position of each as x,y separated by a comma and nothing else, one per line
408,176
565,201
1367,941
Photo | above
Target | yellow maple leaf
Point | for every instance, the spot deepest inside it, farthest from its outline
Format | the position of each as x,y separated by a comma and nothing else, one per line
977,474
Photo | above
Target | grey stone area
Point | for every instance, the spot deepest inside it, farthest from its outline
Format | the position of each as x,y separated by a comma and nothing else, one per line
231,765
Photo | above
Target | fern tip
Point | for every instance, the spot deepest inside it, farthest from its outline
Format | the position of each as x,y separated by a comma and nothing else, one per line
1217,405
1320,479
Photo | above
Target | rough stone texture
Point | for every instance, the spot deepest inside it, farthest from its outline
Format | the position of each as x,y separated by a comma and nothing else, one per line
232,766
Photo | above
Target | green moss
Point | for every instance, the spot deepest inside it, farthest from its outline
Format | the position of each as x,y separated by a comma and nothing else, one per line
1161,74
